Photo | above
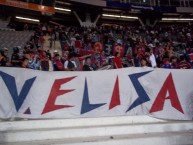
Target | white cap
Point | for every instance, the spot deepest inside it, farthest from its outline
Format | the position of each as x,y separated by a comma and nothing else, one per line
5,48
188,34
19,47
119,41
73,39
111,57
150,45
111,34
27,45
55,51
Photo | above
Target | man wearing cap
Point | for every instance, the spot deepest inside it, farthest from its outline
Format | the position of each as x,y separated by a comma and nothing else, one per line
55,52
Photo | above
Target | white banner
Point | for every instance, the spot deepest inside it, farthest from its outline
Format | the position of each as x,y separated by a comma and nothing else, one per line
161,93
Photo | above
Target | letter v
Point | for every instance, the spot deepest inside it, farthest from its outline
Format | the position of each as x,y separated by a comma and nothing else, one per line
11,85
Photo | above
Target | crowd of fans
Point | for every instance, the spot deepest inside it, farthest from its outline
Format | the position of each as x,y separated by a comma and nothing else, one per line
104,47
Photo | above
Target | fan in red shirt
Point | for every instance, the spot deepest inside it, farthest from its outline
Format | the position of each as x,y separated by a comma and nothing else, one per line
78,46
117,61
79,61
183,63
57,63
42,41
44,61
119,48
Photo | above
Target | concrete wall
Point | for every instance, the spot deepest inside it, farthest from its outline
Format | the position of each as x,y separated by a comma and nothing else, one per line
123,130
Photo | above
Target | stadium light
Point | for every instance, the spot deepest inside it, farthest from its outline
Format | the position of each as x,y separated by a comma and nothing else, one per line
62,9
177,19
27,19
113,16
118,16
129,17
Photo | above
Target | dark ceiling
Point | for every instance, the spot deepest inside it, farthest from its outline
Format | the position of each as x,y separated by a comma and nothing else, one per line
69,19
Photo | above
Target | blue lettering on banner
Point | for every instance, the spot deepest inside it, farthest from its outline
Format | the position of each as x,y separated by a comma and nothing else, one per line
11,85
143,97
86,106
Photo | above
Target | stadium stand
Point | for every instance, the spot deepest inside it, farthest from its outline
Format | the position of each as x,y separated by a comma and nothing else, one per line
11,39
3,24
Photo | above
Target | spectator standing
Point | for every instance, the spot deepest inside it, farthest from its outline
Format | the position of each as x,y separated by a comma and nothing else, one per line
15,58
117,61
44,30
44,61
152,59
41,41
135,60
26,27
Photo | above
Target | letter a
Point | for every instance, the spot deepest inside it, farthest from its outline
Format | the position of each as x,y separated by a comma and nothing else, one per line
169,87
